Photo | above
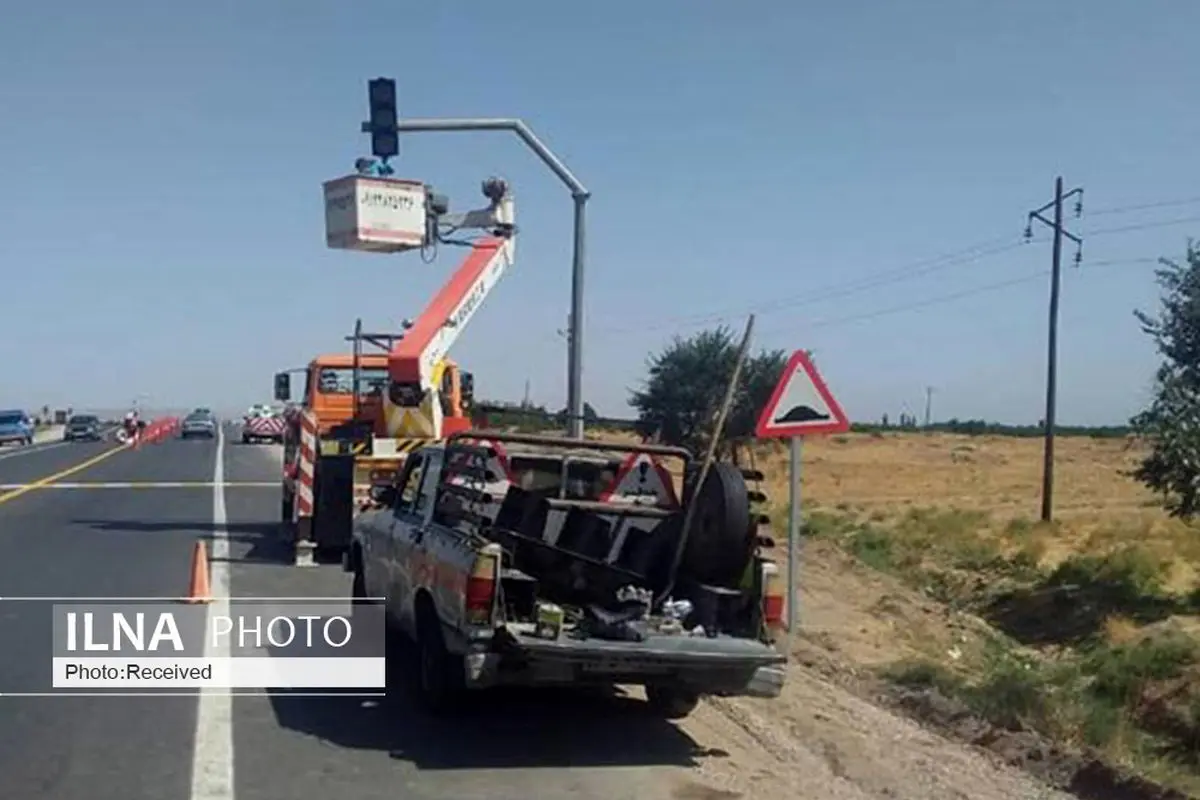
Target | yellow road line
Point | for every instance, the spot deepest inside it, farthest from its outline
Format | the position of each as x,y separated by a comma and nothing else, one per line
145,485
58,476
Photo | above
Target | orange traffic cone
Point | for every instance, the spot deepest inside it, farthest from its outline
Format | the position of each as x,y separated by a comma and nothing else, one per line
199,590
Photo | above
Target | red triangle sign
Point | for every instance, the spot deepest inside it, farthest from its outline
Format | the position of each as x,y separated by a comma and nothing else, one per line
801,404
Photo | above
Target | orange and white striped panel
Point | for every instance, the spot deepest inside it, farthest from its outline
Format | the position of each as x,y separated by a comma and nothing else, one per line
306,462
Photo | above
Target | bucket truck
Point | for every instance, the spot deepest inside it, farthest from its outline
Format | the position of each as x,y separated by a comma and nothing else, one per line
331,460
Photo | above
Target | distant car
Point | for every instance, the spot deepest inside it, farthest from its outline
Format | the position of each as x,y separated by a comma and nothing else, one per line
198,424
15,426
82,427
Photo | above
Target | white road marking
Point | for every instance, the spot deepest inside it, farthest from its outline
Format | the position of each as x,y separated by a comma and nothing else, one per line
212,756
32,448
149,485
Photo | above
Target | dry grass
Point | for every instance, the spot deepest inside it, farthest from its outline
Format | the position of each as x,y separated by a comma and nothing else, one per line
997,474
924,553
953,518
993,485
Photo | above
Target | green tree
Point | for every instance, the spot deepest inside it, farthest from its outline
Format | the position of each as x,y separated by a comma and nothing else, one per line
1172,422
685,383
590,417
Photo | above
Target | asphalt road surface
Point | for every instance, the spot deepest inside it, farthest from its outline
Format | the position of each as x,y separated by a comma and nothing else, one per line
97,520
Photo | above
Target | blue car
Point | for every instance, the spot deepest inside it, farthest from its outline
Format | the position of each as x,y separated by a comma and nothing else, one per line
15,426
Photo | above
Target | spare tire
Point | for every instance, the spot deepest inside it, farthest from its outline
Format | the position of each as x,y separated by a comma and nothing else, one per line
719,543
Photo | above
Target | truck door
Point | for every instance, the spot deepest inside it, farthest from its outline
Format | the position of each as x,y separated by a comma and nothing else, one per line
410,522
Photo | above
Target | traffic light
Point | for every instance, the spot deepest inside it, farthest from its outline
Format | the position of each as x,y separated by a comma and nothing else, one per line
385,141
466,389
283,387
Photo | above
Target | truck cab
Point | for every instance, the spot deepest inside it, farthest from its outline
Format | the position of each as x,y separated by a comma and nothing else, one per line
329,391
355,446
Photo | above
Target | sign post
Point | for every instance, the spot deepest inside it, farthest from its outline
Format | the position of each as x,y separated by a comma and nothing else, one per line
800,405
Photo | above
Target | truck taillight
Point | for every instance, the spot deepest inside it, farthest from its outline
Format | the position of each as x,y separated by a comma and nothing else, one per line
480,594
772,596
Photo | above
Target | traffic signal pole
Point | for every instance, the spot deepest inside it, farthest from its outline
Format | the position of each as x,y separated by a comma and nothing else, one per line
383,111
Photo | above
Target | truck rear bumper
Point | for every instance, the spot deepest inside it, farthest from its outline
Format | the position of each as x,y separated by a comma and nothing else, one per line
724,666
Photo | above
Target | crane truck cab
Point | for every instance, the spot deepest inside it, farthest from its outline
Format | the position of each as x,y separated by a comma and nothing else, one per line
354,443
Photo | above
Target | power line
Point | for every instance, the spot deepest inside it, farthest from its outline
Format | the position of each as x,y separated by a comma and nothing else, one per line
1142,226
929,301
967,256
960,257
957,258
1127,209
950,297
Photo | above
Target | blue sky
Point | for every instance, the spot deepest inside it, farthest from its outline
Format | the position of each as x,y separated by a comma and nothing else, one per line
161,233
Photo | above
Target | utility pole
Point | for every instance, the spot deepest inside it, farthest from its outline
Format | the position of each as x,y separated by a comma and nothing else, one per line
1052,337
928,405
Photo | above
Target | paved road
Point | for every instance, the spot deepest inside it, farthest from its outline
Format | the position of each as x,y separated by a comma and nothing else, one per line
113,529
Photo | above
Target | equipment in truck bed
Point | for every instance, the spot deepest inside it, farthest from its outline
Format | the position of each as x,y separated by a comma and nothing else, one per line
588,538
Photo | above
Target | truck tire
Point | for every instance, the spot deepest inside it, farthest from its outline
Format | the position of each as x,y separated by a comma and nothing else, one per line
719,542
669,702
440,676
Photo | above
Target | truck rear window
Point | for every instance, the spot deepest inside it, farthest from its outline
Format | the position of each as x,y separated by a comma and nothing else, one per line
586,480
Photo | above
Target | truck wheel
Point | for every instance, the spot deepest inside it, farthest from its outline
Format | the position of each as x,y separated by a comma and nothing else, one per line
669,702
439,675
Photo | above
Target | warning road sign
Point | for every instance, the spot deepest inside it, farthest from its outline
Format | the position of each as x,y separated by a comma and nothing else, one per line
801,404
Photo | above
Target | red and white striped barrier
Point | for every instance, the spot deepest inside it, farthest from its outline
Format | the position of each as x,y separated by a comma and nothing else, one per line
155,431
305,467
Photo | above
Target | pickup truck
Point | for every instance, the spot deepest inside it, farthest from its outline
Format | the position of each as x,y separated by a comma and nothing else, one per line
509,559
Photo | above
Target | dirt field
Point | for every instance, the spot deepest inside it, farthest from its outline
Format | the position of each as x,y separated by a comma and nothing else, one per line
998,474
886,515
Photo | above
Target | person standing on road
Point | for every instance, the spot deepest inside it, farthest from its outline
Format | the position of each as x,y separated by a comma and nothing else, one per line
132,428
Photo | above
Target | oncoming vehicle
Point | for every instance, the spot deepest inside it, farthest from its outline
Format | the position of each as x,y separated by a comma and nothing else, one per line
198,424
82,427
15,427
530,560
